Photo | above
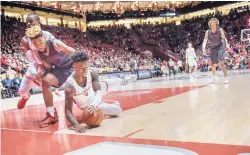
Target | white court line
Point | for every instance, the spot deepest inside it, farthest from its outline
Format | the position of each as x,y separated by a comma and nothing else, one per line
24,130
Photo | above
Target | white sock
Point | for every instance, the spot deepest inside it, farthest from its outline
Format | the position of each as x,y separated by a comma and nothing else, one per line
26,97
51,110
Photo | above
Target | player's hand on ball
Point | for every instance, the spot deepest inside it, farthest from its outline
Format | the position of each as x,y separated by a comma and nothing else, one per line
80,129
91,109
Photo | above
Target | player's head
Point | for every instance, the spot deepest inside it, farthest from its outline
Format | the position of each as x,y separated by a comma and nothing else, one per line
37,38
80,60
189,44
32,19
213,23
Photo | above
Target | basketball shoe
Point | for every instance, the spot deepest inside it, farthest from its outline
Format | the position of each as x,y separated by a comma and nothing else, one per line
22,102
49,120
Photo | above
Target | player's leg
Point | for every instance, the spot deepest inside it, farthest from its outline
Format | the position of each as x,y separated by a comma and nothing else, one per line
195,68
213,72
222,63
25,86
51,115
114,82
214,60
190,67
112,109
55,78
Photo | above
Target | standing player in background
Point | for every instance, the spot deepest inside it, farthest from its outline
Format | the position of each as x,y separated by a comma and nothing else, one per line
218,44
85,90
191,60
28,81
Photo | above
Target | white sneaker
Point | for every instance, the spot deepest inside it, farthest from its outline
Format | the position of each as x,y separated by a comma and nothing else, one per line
226,81
211,81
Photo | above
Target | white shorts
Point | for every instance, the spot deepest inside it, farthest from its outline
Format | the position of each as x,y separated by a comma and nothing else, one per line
192,62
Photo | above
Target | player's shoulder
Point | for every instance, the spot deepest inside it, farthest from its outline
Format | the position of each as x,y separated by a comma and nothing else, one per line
25,39
48,35
93,70
25,43
221,29
46,32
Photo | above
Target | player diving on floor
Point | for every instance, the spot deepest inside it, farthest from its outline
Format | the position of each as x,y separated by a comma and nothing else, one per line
85,89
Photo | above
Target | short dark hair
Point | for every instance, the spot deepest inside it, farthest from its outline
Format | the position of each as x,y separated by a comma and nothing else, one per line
79,56
34,16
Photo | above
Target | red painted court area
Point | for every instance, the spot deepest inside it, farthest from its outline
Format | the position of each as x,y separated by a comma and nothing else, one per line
22,136
39,143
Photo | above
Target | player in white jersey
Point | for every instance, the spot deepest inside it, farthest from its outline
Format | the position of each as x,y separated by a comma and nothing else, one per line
191,60
28,81
85,90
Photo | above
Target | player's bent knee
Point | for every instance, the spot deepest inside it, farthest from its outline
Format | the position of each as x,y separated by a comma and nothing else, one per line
49,80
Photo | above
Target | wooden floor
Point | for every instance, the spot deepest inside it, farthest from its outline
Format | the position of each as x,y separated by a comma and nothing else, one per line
170,116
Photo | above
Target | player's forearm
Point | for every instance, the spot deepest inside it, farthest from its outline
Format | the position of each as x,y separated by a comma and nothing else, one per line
71,118
70,50
225,39
98,98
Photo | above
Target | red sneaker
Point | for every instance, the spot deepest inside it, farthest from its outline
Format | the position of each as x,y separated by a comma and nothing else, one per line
22,102
49,120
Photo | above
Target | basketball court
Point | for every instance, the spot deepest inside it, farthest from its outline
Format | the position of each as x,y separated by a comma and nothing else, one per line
162,116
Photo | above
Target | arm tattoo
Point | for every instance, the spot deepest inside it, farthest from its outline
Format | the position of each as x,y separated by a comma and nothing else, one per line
69,92
71,118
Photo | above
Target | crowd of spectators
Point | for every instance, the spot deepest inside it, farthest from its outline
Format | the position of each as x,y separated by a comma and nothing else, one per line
174,39
116,48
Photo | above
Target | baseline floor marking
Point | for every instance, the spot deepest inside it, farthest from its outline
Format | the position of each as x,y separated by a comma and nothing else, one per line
24,130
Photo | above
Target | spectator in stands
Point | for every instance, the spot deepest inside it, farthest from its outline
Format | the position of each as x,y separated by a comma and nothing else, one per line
171,67
7,84
179,63
15,83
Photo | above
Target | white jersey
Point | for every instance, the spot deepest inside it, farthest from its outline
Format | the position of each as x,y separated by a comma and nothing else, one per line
83,96
190,53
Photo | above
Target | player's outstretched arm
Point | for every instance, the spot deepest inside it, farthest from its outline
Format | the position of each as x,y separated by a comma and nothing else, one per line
61,47
97,88
69,92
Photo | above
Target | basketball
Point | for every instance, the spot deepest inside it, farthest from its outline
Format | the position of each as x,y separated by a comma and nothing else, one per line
93,120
